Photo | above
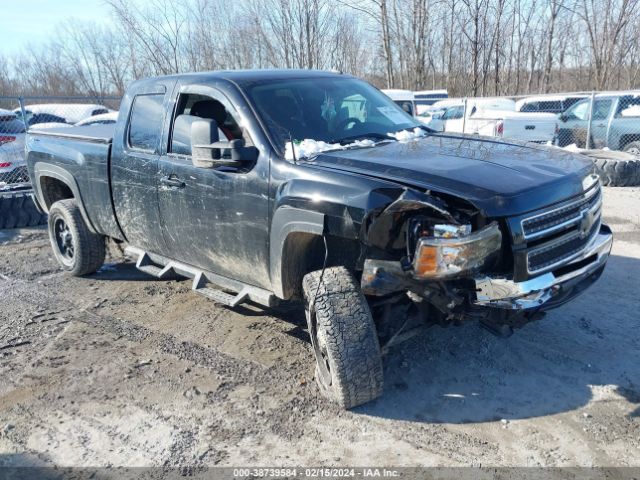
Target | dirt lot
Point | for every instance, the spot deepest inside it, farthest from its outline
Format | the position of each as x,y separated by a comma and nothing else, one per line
121,369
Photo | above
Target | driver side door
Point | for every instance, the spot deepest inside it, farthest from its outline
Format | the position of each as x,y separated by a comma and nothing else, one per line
215,219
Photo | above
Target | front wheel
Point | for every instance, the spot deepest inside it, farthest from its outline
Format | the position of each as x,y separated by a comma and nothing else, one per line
77,249
344,338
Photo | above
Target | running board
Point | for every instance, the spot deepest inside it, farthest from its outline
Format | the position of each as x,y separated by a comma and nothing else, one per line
203,282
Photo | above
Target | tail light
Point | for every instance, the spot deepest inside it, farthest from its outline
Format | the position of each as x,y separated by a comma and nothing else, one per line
5,164
499,128
6,139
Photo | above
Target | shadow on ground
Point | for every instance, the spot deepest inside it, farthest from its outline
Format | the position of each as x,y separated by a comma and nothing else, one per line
466,375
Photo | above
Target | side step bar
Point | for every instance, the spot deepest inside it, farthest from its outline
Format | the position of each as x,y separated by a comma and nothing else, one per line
204,283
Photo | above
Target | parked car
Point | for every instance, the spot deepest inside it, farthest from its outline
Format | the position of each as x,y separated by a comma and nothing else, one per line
403,98
63,112
13,171
548,103
615,122
102,119
494,117
275,185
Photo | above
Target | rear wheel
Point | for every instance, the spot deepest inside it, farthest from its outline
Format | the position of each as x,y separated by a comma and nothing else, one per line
344,338
77,249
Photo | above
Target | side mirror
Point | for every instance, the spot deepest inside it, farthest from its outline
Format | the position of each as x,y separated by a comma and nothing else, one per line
208,152
564,117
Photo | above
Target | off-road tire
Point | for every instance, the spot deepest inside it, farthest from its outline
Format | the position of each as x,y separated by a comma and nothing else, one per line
618,172
17,211
340,320
88,247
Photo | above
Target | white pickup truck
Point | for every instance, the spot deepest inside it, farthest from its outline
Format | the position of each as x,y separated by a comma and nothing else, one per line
494,117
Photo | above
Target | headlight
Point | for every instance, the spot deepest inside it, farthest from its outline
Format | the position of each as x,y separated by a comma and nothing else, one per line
446,256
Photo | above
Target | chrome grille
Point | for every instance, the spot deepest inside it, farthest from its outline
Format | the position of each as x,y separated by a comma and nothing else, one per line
557,236
561,218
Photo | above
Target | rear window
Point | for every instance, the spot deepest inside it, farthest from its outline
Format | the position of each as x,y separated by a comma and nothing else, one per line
145,124
99,111
11,124
550,106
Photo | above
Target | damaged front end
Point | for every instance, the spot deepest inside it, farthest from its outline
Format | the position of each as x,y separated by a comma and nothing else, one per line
424,254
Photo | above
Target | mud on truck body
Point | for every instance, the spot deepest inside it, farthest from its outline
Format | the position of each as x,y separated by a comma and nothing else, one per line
271,186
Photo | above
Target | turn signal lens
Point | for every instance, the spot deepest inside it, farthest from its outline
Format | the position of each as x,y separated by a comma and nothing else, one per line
448,257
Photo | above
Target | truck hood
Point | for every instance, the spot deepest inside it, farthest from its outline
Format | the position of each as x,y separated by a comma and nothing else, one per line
500,178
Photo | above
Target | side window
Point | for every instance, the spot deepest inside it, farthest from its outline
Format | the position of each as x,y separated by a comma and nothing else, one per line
453,113
145,124
628,107
530,107
601,109
580,111
551,106
191,106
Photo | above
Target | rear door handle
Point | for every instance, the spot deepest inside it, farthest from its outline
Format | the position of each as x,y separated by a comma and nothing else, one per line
172,181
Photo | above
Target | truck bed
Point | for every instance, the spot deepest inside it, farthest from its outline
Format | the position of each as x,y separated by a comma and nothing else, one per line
88,133
84,154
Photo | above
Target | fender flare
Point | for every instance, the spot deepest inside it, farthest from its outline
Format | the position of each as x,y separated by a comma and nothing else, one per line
287,221
45,170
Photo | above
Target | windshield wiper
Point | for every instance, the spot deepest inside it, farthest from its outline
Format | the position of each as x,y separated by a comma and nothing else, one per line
362,136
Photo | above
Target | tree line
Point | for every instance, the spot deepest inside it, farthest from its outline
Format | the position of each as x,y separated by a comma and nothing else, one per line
470,47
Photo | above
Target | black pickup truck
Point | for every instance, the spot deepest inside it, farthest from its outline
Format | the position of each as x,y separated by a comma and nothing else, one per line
269,186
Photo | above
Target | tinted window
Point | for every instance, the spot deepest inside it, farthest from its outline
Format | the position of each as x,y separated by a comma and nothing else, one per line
550,106
454,113
145,124
601,109
530,107
99,111
45,118
10,124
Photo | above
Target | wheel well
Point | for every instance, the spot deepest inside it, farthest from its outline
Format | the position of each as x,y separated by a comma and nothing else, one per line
53,190
304,252
628,138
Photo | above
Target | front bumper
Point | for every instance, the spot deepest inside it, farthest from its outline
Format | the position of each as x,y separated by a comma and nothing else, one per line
551,289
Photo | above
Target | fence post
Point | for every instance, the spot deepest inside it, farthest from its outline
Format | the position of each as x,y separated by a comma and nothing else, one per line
587,142
464,116
23,112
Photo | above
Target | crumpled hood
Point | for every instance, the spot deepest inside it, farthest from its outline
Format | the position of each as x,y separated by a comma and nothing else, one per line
500,178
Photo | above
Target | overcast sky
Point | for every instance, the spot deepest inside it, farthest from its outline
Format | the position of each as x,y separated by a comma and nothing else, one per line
34,21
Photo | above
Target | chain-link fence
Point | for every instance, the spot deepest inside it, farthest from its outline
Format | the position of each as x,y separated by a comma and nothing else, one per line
593,120
21,114
576,121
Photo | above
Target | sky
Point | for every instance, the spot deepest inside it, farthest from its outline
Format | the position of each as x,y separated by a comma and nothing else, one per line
34,21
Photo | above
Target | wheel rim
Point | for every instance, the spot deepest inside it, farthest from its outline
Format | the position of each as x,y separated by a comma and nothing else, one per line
319,347
64,239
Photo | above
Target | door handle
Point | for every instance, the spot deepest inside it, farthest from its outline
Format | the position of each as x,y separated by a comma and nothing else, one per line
600,125
172,181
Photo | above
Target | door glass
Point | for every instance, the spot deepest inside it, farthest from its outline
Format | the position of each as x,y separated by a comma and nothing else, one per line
601,109
580,111
192,106
145,125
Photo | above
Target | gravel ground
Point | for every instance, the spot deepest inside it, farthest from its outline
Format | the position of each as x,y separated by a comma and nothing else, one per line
119,369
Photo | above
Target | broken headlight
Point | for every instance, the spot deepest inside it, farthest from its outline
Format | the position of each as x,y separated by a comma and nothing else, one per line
452,250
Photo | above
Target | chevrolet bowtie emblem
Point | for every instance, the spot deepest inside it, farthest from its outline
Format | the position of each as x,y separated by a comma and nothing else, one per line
586,222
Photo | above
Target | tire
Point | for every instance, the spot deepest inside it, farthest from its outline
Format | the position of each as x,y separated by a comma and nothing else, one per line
18,211
343,334
633,148
77,249
616,172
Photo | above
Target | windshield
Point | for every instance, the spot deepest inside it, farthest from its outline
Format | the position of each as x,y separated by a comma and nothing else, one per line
332,110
